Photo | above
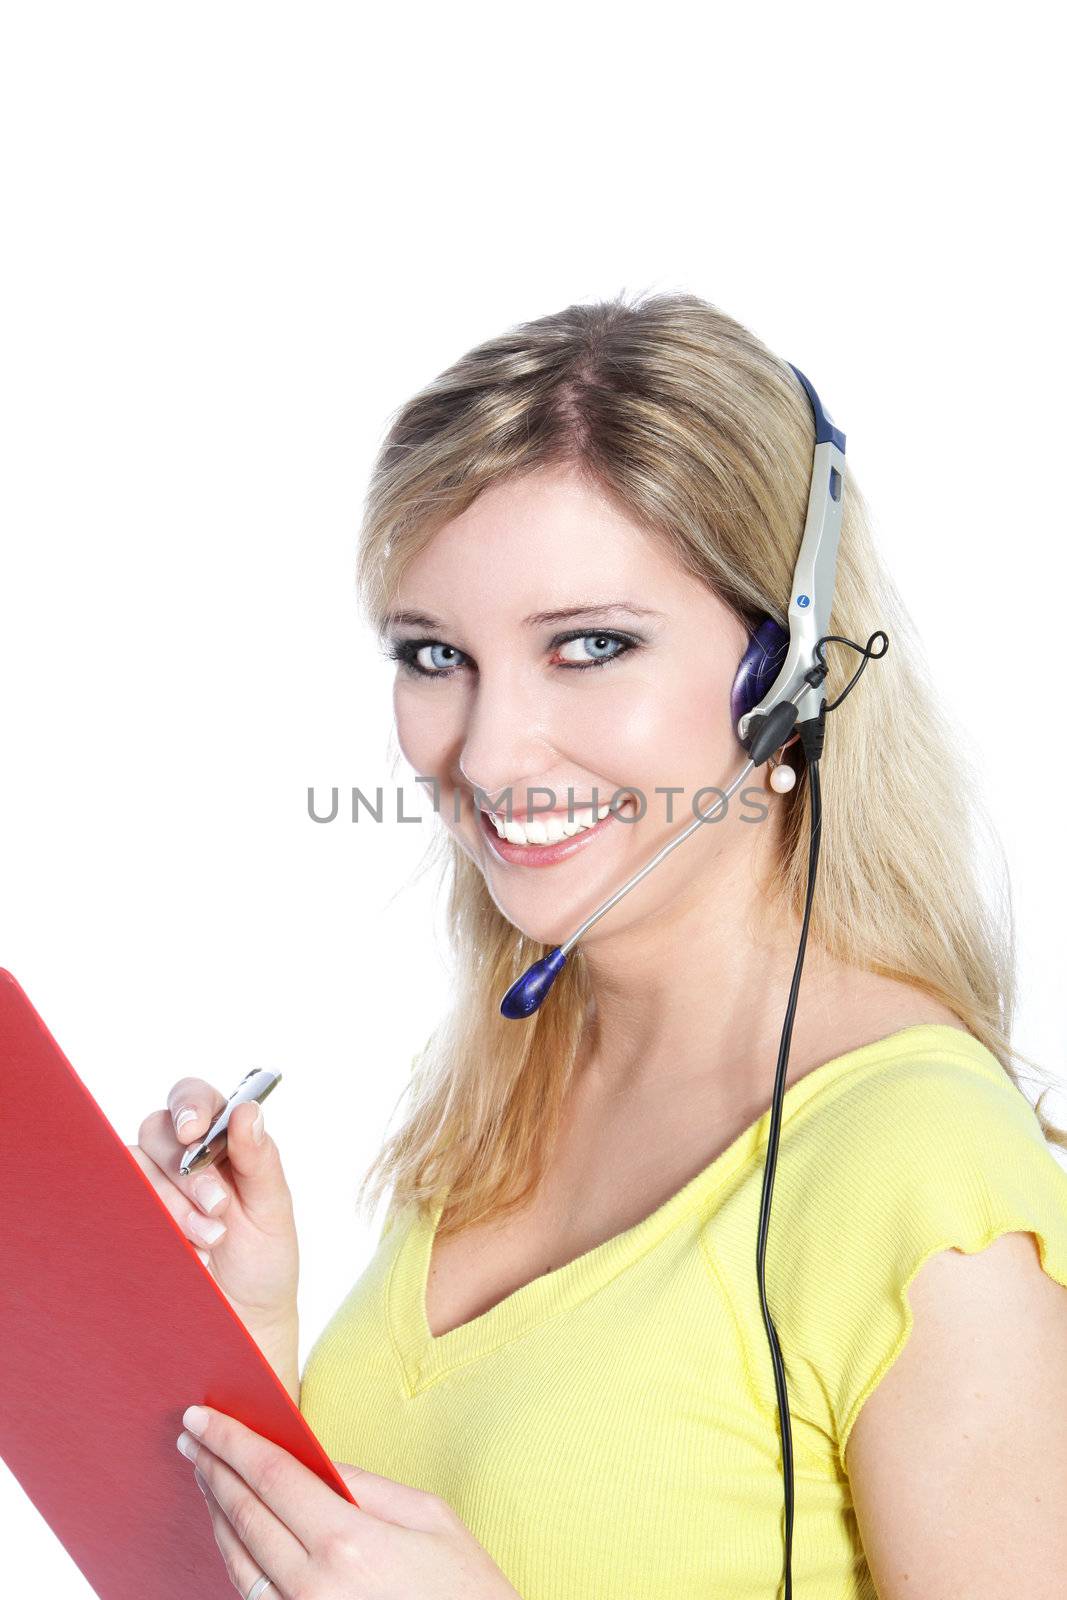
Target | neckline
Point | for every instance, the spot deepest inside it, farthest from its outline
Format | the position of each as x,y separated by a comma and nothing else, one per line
425,1358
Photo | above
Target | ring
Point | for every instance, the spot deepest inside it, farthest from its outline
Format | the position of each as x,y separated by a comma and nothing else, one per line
258,1588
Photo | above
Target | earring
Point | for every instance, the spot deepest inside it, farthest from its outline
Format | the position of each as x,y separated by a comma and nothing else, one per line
782,777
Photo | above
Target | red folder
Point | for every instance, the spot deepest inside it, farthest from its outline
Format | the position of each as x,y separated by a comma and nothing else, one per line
110,1325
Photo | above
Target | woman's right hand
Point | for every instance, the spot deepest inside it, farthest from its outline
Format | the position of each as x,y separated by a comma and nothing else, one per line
255,1262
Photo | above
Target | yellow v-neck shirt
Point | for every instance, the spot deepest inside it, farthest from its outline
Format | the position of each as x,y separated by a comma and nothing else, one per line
609,1431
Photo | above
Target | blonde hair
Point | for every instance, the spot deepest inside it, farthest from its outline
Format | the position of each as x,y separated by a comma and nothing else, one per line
704,437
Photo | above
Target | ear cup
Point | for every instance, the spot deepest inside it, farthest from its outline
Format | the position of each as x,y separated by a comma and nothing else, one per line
759,667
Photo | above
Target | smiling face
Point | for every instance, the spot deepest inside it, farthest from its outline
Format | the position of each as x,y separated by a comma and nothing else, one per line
631,692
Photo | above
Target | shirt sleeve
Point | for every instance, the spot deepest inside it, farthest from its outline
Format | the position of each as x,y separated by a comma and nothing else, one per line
933,1156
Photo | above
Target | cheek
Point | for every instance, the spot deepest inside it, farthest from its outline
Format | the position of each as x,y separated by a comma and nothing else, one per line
423,731
675,730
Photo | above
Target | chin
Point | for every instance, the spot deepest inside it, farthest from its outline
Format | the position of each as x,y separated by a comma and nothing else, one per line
552,931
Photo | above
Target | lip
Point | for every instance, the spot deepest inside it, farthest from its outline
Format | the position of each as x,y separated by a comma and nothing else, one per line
542,855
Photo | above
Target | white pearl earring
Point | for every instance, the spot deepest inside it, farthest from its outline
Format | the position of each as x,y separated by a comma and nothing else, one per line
782,776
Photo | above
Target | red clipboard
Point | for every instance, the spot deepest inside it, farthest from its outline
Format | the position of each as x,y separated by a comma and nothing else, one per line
110,1325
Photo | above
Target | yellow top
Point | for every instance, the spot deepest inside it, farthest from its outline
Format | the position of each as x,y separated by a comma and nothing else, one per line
611,1429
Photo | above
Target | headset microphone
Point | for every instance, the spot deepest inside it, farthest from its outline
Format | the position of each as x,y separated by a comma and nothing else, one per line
777,688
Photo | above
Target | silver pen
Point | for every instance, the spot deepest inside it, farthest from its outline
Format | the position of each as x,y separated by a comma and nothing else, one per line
255,1085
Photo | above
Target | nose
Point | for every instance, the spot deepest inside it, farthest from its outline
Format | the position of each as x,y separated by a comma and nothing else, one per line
504,745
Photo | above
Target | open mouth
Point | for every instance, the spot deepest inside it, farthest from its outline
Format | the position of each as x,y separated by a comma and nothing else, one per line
535,845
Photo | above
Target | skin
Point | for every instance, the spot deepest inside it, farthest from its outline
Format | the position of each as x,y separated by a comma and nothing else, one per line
958,1460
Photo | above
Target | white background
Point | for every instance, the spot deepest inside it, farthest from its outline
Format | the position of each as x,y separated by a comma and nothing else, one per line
236,238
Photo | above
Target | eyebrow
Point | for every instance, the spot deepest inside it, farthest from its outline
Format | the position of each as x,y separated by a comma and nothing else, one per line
420,619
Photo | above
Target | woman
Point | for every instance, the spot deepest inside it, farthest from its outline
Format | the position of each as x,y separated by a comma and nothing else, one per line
554,1370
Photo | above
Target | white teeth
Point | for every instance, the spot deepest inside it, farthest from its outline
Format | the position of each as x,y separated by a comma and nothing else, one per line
547,830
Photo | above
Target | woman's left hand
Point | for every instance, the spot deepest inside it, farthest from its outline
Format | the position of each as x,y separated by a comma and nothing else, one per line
273,1516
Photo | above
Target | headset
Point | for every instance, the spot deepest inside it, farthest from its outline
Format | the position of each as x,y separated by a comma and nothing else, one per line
777,690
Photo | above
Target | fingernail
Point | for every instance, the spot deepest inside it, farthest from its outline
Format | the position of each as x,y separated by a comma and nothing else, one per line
188,1445
210,1193
186,1114
194,1418
206,1228
257,1126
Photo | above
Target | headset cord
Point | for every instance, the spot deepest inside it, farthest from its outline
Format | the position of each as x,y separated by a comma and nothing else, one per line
812,735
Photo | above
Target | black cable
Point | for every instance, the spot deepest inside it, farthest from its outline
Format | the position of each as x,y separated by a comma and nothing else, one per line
768,1174
865,651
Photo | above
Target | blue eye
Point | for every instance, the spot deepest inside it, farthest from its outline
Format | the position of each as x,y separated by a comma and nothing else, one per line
599,641
408,651
437,658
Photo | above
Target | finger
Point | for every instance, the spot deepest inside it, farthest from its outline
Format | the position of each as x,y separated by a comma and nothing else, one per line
390,1501
208,1188
307,1506
241,1568
256,1168
195,1202
202,1099
266,1537
192,1105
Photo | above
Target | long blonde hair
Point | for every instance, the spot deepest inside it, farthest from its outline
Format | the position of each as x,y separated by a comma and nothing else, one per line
704,437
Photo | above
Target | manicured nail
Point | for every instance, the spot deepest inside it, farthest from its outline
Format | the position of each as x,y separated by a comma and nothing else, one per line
187,1445
195,1419
186,1114
210,1193
206,1228
257,1126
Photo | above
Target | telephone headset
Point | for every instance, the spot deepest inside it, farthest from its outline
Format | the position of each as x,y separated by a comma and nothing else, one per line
777,690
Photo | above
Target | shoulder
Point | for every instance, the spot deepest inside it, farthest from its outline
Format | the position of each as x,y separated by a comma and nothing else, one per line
922,1139
922,1145
971,1421
930,1096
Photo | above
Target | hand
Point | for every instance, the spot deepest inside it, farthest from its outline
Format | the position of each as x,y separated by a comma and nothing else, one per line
273,1516
255,1261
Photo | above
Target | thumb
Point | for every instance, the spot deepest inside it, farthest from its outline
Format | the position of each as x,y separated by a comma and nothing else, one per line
257,1166
390,1501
